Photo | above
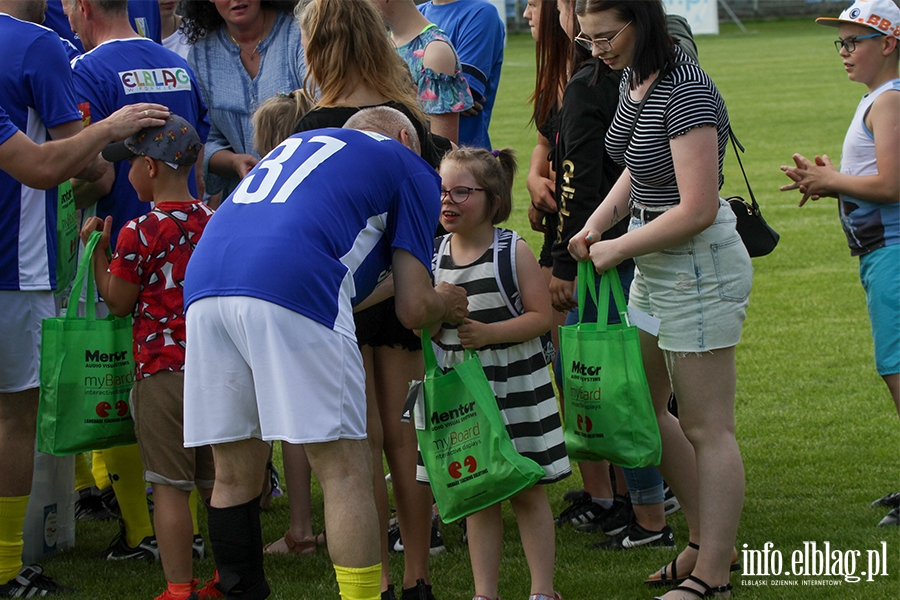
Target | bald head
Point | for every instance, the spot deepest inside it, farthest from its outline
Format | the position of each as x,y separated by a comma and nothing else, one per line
386,121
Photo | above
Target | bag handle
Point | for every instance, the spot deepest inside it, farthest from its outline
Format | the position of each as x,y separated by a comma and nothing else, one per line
609,282
431,367
753,207
85,270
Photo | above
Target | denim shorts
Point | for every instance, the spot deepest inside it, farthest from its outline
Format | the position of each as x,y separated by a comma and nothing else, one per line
699,289
880,278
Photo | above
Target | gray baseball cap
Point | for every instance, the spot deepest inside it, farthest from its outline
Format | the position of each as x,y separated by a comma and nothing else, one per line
175,143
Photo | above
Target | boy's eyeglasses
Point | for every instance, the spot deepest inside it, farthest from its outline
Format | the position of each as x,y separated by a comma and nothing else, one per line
459,194
849,44
601,44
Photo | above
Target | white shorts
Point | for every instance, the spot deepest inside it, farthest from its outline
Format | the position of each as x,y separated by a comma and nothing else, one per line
254,369
20,338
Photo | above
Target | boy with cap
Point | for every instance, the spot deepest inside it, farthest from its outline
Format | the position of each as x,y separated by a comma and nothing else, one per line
145,278
868,183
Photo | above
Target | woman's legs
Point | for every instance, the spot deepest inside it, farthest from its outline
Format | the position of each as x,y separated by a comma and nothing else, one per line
395,368
705,387
678,466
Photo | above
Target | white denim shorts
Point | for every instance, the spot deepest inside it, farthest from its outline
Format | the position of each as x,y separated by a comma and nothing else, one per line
20,338
254,369
699,290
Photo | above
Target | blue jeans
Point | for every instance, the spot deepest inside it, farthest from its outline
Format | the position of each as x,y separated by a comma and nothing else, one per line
645,486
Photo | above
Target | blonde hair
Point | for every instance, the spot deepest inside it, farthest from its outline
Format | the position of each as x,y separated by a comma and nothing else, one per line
387,121
494,171
276,119
347,39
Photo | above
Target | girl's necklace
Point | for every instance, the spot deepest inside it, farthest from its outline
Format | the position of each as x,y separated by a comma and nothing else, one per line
255,50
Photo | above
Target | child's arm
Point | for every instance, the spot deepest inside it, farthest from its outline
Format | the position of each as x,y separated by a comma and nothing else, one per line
534,322
119,295
820,178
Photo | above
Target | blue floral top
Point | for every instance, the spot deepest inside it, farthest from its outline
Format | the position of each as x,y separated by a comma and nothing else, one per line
439,94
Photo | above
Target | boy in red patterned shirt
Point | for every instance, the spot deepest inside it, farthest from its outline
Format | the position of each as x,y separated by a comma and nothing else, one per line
144,279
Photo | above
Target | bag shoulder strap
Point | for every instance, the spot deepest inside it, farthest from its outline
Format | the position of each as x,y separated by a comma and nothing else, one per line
505,241
663,73
178,223
738,148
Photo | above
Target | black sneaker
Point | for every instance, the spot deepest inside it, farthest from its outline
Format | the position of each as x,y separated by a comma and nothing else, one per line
388,594
91,507
31,583
891,520
120,550
582,510
198,547
395,542
889,501
611,521
422,591
437,541
635,536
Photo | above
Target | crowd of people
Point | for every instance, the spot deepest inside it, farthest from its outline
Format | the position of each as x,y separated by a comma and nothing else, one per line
299,160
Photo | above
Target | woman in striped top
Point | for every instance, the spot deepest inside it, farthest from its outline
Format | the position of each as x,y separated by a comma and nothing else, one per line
693,273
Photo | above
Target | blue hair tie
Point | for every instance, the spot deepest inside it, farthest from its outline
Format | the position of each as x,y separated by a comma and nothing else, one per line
496,153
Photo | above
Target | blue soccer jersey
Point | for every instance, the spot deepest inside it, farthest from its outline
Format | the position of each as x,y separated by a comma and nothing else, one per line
143,14
121,72
7,129
313,226
36,92
478,34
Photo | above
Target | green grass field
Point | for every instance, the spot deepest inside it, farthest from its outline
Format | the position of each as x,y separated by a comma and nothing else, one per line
818,431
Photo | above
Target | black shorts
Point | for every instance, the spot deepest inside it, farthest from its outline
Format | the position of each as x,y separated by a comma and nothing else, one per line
379,326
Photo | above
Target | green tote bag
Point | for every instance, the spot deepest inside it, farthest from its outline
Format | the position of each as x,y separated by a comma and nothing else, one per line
87,371
609,413
470,460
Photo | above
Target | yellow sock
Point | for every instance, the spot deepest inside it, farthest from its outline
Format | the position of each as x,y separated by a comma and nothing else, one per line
359,584
127,474
192,503
12,522
83,477
98,468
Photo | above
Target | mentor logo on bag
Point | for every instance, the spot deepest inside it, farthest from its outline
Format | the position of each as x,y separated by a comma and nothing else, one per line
585,372
106,359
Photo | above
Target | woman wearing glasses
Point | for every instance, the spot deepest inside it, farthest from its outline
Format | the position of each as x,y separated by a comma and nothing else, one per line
693,273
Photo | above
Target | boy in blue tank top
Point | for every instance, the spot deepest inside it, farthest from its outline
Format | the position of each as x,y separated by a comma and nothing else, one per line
868,183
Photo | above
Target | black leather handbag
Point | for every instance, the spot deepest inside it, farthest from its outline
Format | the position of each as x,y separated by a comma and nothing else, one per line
757,235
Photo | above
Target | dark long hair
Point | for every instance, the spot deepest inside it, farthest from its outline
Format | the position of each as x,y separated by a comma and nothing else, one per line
552,55
654,48
202,18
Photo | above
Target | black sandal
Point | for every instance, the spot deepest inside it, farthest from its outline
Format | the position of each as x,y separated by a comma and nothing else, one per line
666,580
707,591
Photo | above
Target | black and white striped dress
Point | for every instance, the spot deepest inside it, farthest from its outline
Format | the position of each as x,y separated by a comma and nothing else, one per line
517,372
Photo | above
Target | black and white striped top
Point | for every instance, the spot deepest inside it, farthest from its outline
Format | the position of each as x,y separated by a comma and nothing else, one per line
685,99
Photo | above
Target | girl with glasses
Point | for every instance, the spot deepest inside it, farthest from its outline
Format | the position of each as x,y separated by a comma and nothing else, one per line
478,196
